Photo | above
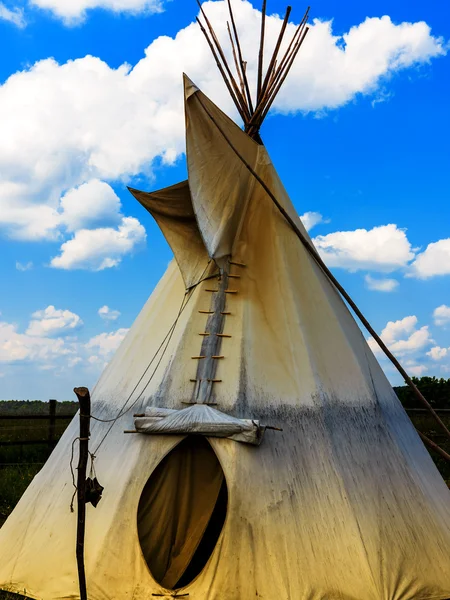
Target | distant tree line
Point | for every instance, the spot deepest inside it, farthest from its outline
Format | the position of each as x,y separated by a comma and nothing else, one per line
35,407
436,391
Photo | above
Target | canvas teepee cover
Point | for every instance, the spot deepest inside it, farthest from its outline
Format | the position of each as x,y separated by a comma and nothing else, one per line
343,503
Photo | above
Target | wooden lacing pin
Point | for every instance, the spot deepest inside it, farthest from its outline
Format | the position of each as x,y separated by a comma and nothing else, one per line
171,595
226,335
194,380
206,312
199,403
214,291
234,276
214,380
205,334
231,291
238,264
198,357
217,356
225,312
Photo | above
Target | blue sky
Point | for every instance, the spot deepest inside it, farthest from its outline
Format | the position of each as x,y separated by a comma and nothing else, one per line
90,101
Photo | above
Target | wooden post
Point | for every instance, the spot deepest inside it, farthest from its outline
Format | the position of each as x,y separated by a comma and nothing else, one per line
51,428
84,399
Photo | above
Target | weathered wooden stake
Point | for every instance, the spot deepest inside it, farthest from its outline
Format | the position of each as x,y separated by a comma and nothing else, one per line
84,399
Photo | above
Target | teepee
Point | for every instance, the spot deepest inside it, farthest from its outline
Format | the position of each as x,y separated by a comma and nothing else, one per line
245,331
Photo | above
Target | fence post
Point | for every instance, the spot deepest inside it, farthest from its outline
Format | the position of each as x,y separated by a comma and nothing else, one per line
52,425
84,399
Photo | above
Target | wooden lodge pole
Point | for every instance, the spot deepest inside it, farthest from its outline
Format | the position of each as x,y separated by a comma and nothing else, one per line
84,399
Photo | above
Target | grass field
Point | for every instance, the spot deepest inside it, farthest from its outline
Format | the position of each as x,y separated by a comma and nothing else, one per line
19,464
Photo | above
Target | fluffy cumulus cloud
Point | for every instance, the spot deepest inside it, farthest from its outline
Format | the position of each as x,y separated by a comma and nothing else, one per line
12,15
402,337
380,285
101,248
91,123
415,369
311,219
16,347
45,344
383,248
108,314
52,322
441,315
102,347
414,347
73,11
434,260
89,205
438,353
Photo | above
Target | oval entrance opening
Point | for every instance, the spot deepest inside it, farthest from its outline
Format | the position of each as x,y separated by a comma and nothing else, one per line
181,512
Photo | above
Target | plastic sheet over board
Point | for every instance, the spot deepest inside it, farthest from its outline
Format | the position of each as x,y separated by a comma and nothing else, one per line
199,419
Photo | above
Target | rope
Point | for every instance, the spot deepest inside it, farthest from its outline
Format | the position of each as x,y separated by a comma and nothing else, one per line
188,289
167,338
187,296
91,472
313,253
73,474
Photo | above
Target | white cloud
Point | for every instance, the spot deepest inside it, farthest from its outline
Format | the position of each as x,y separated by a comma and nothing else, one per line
82,120
434,260
52,322
12,15
73,11
417,340
24,266
311,219
356,63
89,205
380,285
402,337
18,347
72,362
383,248
438,353
395,329
102,248
416,370
441,315
45,345
108,314
105,344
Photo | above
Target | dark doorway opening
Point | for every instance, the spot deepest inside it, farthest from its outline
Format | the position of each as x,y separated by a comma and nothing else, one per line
181,512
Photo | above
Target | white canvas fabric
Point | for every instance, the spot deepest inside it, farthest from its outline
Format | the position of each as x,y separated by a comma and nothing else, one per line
343,504
173,211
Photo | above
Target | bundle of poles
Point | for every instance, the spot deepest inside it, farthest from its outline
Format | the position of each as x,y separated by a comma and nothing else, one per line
268,84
